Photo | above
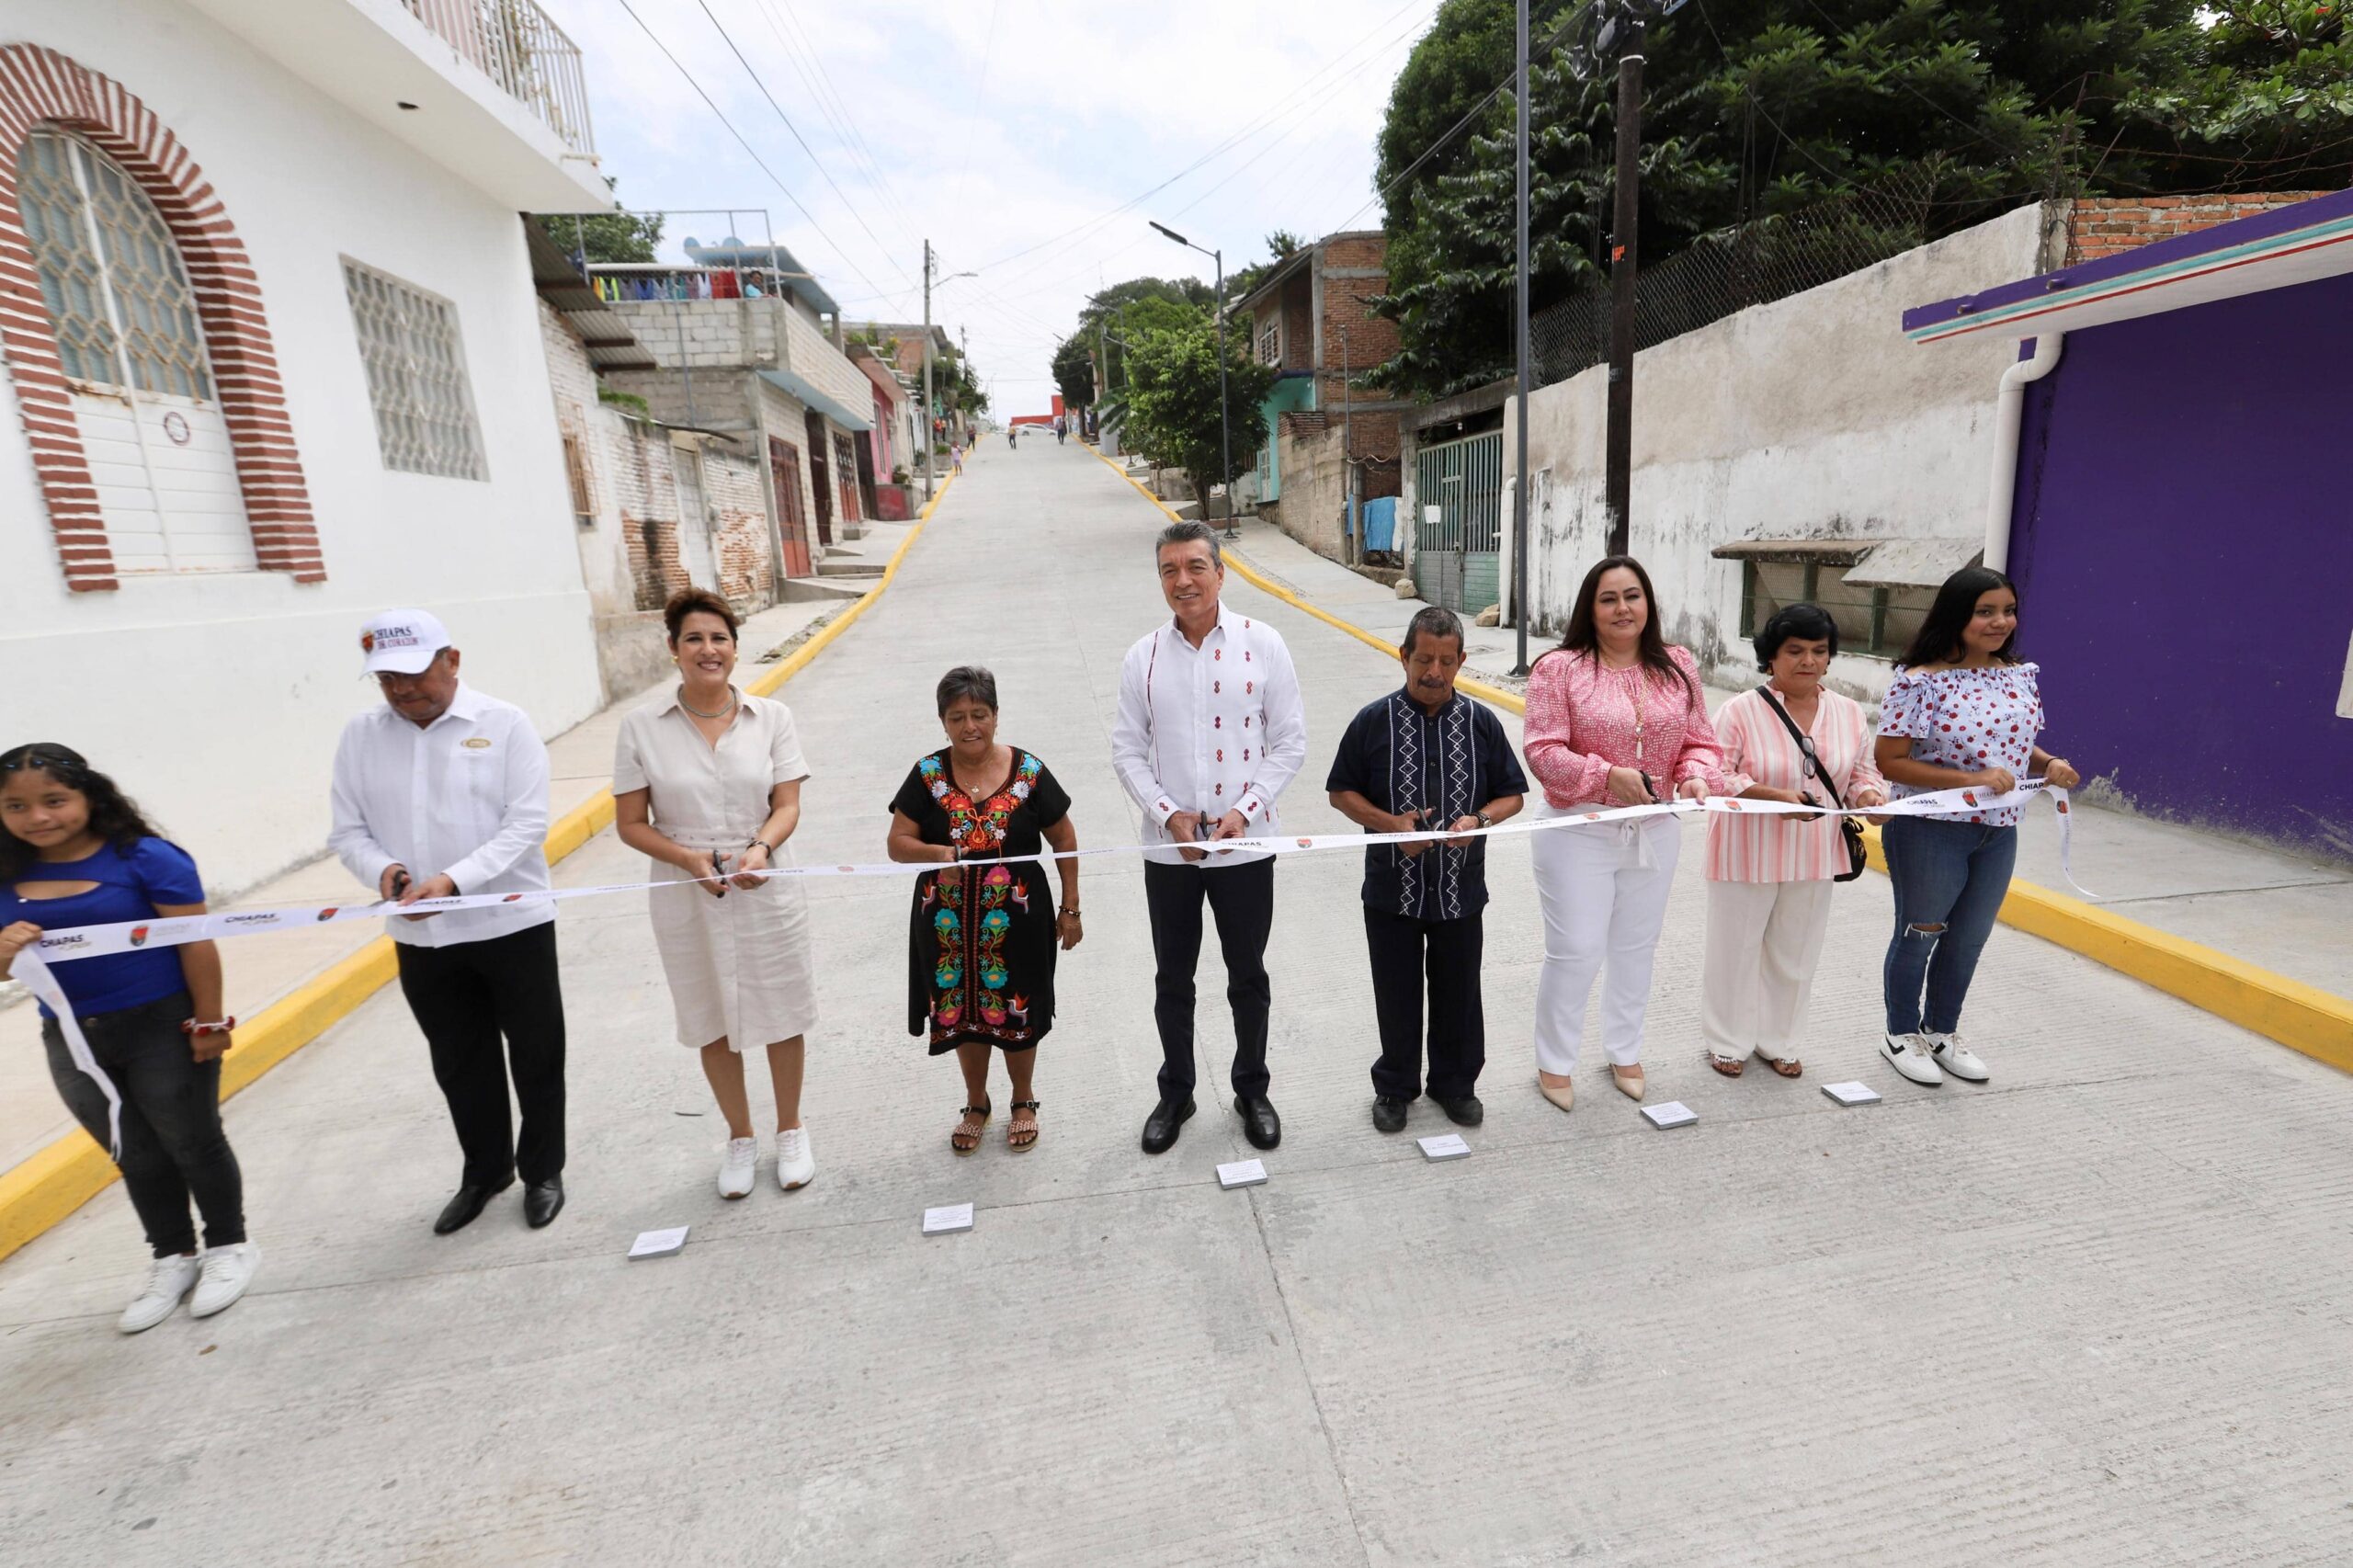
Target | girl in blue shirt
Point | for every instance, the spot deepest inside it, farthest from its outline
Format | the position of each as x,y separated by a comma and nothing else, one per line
74,851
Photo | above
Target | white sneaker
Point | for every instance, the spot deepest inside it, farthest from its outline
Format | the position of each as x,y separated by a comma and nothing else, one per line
221,1277
1957,1059
1908,1054
168,1279
739,1171
795,1161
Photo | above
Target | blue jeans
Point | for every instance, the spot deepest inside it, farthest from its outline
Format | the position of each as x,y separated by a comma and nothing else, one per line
1949,879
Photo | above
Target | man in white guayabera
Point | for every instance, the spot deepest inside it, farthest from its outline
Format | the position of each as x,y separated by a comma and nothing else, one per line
443,791
1210,729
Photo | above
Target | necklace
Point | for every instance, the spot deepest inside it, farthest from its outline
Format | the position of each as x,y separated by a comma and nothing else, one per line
727,712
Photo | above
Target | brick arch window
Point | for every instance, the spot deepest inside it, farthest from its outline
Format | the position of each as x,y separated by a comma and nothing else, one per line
131,323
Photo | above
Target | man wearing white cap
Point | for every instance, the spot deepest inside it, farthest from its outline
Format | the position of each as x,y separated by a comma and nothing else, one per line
443,790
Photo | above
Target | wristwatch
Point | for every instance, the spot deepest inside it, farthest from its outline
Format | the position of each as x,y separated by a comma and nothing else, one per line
1484,820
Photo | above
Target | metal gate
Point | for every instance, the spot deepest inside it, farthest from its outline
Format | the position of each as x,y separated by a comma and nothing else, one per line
1457,555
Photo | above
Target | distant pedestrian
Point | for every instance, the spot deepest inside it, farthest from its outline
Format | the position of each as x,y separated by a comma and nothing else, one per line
1770,878
1062,429
956,457
1962,712
984,931
75,852
443,790
1615,718
1426,757
1012,437
707,783
1210,729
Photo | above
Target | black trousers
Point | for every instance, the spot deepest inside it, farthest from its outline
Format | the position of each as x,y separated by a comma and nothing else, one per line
173,1147
1404,950
465,997
1243,899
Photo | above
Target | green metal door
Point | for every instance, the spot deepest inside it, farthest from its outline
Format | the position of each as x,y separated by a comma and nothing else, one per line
1457,554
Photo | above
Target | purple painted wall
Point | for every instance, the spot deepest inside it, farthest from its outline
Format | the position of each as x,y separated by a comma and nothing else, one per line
2183,546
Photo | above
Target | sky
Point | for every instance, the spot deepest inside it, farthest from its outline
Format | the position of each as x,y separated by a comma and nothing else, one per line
1024,139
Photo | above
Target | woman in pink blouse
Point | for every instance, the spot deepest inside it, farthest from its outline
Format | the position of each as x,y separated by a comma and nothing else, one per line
1963,712
1770,878
1615,718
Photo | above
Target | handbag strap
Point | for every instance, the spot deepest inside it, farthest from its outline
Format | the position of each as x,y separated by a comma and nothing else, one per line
1809,760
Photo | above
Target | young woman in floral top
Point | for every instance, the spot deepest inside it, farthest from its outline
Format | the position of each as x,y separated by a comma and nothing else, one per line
1615,718
1963,712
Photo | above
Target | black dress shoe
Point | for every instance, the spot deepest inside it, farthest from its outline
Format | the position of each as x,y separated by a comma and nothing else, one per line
1464,1112
543,1201
467,1206
1160,1127
1259,1122
1388,1113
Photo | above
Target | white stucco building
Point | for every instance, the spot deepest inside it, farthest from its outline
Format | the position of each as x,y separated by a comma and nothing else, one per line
273,362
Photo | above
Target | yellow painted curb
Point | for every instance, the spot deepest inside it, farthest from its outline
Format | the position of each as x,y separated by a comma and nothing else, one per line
2302,1018
49,1185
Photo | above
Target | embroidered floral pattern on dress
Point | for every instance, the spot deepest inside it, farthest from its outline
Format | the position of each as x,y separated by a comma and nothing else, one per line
969,916
1970,720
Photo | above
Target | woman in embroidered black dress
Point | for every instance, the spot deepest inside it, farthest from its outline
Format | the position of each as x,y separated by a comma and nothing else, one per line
984,930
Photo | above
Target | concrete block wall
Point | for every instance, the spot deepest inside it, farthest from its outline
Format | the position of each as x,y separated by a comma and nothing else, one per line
739,529
1810,416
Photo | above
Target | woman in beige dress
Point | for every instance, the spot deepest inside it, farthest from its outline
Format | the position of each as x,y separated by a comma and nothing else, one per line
706,781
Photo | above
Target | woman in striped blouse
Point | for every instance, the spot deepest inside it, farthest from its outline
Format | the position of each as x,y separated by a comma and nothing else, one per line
1769,877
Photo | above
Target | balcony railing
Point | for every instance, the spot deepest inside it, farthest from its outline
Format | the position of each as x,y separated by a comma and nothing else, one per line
516,45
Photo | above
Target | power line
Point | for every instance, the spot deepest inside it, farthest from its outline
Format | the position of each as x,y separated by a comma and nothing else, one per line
750,149
829,101
823,172
1222,147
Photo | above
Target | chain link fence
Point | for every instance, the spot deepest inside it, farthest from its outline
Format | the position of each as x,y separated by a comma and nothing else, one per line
1754,264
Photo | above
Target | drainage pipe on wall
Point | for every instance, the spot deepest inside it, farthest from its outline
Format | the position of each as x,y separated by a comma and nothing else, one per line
2010,411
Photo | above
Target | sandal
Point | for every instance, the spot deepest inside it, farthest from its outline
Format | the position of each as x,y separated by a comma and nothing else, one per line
1729,1066
1014,1128
1789,1068
966,1139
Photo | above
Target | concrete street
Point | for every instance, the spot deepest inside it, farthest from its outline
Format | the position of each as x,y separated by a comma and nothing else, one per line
2093,1313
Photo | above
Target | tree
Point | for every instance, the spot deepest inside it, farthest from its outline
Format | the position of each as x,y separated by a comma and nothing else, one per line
1141,304
1281,245
2268,101
954,385
1074,371
1751,107
617,235
1172,404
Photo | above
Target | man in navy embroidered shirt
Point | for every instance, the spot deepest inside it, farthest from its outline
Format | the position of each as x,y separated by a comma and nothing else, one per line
1427,758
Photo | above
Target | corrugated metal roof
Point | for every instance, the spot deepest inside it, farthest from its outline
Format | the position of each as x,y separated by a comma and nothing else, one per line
611,343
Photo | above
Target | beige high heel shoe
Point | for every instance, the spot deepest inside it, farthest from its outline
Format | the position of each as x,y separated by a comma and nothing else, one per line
1566,1095
1629,1079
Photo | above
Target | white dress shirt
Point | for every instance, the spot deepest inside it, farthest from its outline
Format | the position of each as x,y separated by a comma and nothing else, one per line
1213,729
467,795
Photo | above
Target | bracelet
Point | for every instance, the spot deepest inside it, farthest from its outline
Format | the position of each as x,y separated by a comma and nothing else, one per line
1068,909
192,1028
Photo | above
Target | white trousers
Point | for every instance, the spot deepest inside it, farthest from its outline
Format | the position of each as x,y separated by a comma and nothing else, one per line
1764,939
1604,894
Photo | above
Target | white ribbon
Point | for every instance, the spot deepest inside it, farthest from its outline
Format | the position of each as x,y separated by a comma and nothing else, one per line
34,973
90,941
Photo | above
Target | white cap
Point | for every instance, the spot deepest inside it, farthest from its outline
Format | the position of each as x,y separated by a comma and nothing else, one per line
401,641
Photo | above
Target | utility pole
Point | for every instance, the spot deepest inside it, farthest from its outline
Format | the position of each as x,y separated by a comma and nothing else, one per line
1519,329
1351,534
1623,262
927,370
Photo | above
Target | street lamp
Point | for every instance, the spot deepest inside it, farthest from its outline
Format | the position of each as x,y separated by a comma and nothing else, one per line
928,412
1224,416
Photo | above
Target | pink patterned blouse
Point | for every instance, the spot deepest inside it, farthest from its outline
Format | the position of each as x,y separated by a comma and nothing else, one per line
1968,719
1783,848
1584,718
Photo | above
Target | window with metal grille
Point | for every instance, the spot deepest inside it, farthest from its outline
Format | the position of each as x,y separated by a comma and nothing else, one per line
109,273
416,376
163,465
1877,621
1270,344
575,470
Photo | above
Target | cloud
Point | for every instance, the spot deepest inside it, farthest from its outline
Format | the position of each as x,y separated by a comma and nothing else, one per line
991,127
